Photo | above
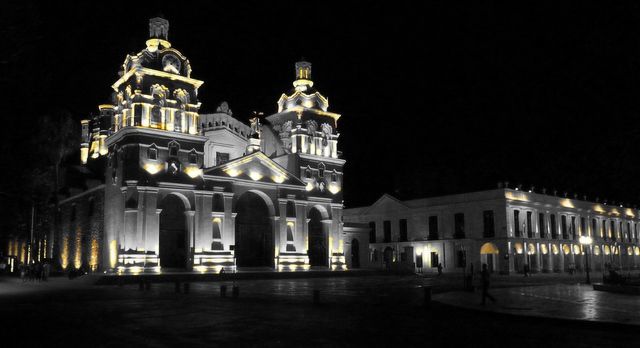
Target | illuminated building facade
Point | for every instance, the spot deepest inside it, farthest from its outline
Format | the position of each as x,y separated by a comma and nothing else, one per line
504,228
191,191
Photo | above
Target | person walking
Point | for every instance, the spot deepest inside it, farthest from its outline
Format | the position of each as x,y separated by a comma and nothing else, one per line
485,277
439,269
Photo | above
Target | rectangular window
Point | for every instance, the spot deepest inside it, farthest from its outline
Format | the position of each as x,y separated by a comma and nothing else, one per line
529,227
222,158
516,223
554,228
458,225
573,232
372,232
488,223
542,226
594,227
386,225
583,226
403,230
563,226
612,231
433,227
434,259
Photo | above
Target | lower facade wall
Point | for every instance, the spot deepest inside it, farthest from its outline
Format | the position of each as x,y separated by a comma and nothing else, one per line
506,256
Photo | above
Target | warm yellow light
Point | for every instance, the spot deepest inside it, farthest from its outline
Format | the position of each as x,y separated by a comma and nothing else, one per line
113,253
576,249
598,208
309,186
566,203
64,254
233,172
290,223
629,250
341,246
334,188
519,248
84,154
193,172
93,258
103,150
554,249
637,251
217,220
279,179
516,196
255,175
585,240
77,259
544,249
153,168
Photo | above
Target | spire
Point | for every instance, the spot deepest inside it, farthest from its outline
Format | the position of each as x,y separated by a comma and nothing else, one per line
159,28
158,34
303,76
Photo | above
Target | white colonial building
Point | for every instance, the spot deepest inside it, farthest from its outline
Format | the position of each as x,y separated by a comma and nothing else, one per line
504,228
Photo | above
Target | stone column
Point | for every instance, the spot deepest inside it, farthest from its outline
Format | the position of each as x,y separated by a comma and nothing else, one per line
301,231
228,228
190,217
203,220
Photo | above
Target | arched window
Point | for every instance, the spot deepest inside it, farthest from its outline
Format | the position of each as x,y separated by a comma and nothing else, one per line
152,152
193,156
321,168
174,147
307,173
334,176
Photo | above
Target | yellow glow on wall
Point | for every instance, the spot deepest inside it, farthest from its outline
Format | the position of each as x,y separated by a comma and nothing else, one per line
95,148
629,250
341,246
153,168
278,179
576,249
607,250
93,258
193,172
23,252
290,223
255,175
64,254
596,250
629,212
637,251
565,249
532,249
334,188
77,257
233,172
519,248
598,208
543,249
567,203
616,250
615,211
554,249
84,154
217,220
516,196
103,150
113,253
309,186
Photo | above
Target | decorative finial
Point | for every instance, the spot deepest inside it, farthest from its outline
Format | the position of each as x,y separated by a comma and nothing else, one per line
159,28
303,76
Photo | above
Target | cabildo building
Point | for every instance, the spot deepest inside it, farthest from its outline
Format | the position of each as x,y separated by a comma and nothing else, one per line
504,228
191,191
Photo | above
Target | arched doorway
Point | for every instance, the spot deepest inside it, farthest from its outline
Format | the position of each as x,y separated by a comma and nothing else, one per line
489,255
387,257
173,233
318,255
355,253
254,245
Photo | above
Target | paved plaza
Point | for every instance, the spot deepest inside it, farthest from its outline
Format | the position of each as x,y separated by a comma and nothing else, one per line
353,311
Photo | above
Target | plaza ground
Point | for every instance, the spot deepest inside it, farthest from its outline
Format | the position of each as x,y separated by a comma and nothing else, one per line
375,310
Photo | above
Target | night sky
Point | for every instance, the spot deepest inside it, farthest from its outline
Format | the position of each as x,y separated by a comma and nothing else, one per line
436,98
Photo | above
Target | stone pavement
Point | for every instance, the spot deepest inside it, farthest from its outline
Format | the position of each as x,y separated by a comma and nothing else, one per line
354,311
573,302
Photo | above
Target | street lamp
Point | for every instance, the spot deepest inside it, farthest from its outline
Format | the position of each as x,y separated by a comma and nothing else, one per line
586,241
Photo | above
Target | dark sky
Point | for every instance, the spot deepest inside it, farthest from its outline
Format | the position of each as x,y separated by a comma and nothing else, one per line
436,98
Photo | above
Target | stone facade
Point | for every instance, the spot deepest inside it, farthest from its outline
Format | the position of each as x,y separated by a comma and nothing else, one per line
504,228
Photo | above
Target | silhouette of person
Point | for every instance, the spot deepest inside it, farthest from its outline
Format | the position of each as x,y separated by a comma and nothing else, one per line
485,284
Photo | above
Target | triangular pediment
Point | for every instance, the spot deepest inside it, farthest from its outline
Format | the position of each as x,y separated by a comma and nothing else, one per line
386,205
256,167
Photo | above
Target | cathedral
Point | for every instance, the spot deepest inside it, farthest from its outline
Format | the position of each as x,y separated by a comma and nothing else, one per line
204,192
